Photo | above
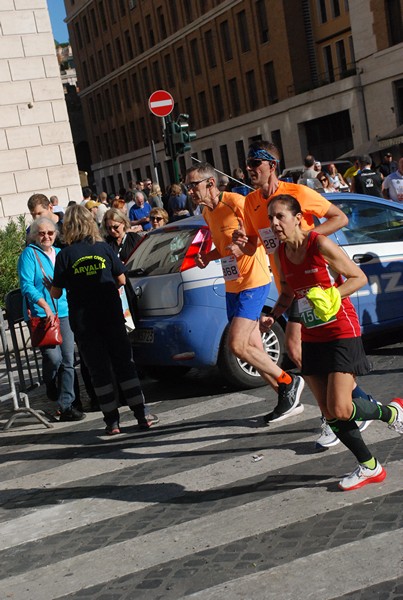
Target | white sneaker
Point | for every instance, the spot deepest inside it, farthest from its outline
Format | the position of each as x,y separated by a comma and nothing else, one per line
397,425
327,438
362,476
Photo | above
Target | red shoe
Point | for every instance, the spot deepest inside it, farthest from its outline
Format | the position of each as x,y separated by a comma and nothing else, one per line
362,476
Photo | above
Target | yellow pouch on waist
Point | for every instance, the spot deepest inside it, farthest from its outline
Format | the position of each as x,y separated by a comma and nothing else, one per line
325,303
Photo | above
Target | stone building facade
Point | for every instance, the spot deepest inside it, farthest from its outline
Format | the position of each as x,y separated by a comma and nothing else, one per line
36,149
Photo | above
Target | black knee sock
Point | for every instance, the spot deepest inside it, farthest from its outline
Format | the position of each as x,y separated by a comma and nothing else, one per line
349,435
365,410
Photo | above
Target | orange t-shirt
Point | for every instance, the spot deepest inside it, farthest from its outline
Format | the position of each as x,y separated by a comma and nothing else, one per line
222,221
256,210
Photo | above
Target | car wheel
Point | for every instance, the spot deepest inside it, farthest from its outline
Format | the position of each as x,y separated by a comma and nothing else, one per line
165,373
240,374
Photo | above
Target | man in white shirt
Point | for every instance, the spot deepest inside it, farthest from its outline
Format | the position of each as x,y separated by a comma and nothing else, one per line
392,187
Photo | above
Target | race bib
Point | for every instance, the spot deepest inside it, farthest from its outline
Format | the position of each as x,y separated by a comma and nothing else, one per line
270,241
230,269
308,317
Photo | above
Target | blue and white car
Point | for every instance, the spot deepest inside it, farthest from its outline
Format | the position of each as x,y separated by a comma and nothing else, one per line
181,320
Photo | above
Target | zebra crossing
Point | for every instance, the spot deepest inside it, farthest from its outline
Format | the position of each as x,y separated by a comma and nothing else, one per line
208,505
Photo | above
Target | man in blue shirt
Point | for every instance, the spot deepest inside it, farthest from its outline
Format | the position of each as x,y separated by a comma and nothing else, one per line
140,212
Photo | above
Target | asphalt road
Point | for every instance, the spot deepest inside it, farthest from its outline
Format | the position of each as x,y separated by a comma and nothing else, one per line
186,510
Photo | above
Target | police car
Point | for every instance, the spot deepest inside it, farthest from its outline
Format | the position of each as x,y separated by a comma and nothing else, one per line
182,323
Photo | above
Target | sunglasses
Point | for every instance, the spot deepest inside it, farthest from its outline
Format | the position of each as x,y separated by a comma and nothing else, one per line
113,227
43,233
324,180
254,163
193,184
156,219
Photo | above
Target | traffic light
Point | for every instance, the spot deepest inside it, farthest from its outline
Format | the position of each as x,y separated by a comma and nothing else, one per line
177,137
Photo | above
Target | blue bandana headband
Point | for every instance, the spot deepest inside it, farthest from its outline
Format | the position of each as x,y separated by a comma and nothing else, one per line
262,154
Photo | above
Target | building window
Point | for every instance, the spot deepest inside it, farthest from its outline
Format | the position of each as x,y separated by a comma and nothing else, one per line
234,95
132,4
262,22
94,23
180,57
346,6
322,11
86,30
93,114
112,12
218,103
126,93
139,38
108,104
110,57
188,11
329,69
122,5
173,11
394,19
341,57
146,81
169,70
136,88
208,156
243,33
203,108
129,45
225,159
203,6
78,35
132,130
188,106
161,22
102,15
85,73
251,89
101,62
119,51
194,49
240,152
157,75
335,8
398,94
150,30
226,40
94,73
123,136
100,107
209,45
271,84
351,47
116,98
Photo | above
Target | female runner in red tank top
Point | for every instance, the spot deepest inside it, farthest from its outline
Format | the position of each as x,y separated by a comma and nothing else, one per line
332,350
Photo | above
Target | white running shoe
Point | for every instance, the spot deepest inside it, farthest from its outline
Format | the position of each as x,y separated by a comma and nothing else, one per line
397,425
362,476
327,438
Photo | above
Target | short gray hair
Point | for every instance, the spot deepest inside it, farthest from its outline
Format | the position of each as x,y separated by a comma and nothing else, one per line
34,228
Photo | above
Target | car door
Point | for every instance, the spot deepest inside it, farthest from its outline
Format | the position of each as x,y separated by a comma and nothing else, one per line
373,239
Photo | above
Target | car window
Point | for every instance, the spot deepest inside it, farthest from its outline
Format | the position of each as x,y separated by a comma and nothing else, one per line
370,222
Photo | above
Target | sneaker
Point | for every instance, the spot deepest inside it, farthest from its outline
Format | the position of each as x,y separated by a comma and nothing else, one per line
289,395
327,438
72,414
112,430
152,419
397,425
362,476
273,417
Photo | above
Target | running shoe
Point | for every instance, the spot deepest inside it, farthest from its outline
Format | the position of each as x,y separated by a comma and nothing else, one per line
288,396
397,424
362,476
273,417
327,438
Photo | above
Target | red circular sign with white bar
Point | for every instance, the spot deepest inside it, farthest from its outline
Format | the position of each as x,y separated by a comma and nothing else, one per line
161,103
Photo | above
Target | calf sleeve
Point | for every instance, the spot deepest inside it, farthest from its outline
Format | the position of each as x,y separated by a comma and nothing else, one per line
349,435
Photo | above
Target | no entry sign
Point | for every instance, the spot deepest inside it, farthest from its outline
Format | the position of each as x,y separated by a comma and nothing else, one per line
161,103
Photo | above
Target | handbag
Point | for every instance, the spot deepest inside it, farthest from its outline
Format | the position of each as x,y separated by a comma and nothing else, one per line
43,332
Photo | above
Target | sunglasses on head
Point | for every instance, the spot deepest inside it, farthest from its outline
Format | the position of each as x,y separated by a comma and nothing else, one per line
43,233
113,227
156,219
254,163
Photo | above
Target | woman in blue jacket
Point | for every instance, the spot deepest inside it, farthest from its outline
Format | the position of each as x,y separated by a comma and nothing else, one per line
35,270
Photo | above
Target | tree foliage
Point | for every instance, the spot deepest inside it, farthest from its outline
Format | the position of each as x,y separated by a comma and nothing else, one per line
12,243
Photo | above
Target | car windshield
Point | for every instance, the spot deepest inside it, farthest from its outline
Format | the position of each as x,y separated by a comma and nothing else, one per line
161,253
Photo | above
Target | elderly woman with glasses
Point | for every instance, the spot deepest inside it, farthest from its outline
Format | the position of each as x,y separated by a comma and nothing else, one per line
35,271
115,229
158,217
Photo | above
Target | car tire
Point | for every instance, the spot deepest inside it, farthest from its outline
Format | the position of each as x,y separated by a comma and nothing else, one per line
241,375
166,373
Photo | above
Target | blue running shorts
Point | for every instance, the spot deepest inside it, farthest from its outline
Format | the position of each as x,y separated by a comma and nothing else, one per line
247,304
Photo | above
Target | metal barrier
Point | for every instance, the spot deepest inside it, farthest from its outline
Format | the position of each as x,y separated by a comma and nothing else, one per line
20,401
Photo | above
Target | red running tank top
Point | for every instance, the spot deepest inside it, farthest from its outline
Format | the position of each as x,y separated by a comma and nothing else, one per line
315,271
